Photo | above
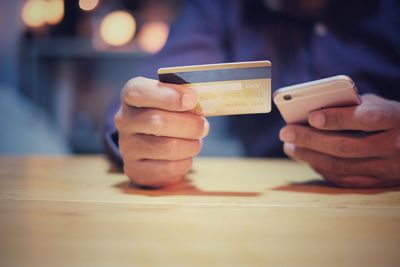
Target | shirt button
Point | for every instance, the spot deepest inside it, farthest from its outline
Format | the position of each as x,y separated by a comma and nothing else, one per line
320,29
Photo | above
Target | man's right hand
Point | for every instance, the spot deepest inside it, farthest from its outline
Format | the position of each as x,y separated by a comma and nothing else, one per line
158,133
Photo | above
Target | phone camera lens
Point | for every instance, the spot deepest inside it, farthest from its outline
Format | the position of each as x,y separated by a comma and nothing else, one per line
287,97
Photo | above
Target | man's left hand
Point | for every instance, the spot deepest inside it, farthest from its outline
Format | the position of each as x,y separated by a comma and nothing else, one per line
355,147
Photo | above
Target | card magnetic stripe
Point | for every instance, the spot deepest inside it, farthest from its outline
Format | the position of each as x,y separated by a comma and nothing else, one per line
203,76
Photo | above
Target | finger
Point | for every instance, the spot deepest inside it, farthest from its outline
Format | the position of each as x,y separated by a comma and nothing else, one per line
380,144
289,150
143,92
157,173
357,181
362,181
387,169
143,146
158,122
365,117
354,181
331,178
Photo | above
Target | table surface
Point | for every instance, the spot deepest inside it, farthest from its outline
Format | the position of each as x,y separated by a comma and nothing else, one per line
77,211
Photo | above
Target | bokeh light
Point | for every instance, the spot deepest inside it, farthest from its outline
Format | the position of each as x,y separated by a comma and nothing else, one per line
36,13
152,36
33,13
88,5
54,12
117,28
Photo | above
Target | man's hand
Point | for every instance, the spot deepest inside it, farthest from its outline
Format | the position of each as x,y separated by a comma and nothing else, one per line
158,135
368,158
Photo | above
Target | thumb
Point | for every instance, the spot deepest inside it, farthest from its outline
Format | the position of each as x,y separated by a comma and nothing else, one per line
143,92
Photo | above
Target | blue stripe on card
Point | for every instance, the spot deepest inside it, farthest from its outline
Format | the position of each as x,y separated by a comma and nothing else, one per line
216,75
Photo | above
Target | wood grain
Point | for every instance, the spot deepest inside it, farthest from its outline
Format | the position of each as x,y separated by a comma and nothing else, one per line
75,211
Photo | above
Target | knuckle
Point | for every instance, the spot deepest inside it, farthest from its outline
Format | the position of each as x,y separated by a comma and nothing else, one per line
390,113
151,113
376,115
123,118
393,114
119,120
153,117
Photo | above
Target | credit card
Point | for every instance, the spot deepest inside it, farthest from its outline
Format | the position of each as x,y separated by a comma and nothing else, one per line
226,88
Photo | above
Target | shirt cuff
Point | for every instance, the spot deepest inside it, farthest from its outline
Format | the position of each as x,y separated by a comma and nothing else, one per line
111,148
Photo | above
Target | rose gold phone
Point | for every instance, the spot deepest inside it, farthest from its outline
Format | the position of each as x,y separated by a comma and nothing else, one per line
297,101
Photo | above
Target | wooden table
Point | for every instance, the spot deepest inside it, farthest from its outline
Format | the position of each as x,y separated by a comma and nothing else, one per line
75,211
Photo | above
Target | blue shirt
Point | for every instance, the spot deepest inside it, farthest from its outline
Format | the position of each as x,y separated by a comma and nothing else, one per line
362,42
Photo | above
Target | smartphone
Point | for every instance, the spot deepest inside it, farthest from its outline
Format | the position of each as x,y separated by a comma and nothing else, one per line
297,101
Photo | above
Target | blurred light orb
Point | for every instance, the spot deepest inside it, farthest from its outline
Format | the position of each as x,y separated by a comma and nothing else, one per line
33,13
117,28
54,12
88,5
153,36
36,13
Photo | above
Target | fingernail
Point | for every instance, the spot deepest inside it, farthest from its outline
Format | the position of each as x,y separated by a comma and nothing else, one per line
206,128
188,101
317,119
289,149
287,135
